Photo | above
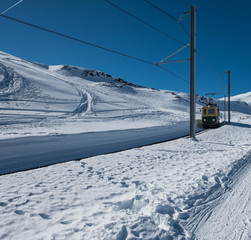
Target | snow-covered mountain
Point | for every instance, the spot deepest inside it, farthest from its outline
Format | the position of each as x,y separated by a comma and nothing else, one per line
245,97
182,190
67,99
38,100
69,104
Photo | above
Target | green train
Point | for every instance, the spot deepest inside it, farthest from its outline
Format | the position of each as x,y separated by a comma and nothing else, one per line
210,116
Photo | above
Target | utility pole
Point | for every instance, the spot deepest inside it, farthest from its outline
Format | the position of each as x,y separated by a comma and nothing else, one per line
228,72
192,71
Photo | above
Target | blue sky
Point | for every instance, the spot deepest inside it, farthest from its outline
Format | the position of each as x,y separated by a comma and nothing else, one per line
223,36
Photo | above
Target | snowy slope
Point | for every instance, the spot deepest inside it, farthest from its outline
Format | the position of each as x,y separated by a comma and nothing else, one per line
44,100
52,114
245,97
182,189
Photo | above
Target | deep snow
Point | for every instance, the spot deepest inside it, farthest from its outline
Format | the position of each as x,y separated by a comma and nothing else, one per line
182,189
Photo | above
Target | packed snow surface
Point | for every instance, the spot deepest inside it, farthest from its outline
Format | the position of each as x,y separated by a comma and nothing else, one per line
181,189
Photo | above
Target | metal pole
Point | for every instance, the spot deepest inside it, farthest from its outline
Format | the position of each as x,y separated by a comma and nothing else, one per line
228,96
224,109
192,71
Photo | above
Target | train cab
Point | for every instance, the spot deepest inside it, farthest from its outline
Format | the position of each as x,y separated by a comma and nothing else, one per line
210,116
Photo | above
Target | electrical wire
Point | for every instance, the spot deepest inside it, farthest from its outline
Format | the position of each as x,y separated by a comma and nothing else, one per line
175,75
187,33
161,10
142,21
88,43
75,39
206,64
220,90
184,29
14,5
151,26
212,65
169,15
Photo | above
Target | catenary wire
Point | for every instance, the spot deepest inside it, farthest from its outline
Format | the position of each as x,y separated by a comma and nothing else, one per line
75,39
206,64
90,44
213,66
161,10
142,21
169,15
14,5
200,52
166,70
177,76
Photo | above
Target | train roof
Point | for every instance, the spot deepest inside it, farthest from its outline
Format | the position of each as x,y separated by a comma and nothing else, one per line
211,105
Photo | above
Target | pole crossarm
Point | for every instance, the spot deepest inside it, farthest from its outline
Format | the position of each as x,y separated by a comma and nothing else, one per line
162,61
181,17
212,94
173,61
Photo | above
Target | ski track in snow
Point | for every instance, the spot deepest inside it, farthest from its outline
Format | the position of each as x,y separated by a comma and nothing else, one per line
230,217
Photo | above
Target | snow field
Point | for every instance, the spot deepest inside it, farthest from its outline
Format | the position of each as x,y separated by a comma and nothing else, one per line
40,100
144,193
183,189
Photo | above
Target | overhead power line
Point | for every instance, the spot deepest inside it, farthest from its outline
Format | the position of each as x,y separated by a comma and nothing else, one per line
14,5
200,52
75,39
88,43
175,75
220,90
169,15
212,65
208,66
144,22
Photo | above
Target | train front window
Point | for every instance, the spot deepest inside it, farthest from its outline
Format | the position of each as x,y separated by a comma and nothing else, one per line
204,111
211,111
